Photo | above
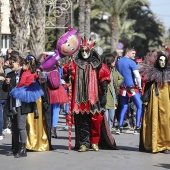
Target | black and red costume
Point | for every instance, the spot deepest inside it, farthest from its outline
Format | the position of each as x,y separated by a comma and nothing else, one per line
89,87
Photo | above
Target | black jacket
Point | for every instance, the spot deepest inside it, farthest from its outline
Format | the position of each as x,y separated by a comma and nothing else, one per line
25,107
3,94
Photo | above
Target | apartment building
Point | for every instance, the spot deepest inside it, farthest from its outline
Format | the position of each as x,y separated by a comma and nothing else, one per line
5,30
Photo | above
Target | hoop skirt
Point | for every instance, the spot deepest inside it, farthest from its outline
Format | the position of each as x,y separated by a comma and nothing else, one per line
37,135
27,94
58,95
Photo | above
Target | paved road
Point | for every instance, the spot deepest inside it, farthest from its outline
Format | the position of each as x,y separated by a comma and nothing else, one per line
127,157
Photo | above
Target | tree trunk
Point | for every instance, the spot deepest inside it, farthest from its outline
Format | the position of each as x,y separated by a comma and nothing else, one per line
88,18
81,19
19,21
37,27
115,33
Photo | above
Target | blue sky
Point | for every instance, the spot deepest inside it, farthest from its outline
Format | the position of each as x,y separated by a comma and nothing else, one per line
161,8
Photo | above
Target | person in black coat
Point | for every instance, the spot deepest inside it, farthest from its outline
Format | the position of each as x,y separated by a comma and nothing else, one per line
18,116
3,96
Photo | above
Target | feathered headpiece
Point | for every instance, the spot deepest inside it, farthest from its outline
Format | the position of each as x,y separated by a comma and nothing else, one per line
87,44
150,71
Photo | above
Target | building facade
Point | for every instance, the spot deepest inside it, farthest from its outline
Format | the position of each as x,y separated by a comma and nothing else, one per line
5,30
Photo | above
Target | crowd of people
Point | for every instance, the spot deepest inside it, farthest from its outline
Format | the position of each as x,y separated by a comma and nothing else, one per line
97,94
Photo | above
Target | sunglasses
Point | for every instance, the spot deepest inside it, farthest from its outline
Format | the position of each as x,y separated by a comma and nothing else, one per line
85,50
12,62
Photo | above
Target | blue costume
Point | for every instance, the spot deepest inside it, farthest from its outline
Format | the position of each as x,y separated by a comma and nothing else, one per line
27,94
28,90
128,89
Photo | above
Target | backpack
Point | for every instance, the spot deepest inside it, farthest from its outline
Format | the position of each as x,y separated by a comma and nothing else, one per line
53,79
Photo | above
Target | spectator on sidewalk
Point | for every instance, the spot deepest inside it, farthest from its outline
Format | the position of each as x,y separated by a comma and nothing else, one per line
3,96
19,133
111,105
57,96
130,88
7,120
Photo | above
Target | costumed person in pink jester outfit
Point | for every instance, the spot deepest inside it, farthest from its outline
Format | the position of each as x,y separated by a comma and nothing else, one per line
67,45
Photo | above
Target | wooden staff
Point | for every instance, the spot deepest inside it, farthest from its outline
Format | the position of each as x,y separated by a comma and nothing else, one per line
70,114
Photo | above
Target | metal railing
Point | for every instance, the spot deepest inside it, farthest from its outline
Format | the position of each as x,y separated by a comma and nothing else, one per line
58,13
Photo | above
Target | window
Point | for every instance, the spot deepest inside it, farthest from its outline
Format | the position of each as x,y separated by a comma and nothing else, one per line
6,41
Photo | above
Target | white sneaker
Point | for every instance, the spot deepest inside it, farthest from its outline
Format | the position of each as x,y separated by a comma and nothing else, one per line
118,131
1,137
136,131
6,131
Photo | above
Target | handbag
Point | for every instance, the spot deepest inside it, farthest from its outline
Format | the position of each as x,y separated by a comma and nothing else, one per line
53,79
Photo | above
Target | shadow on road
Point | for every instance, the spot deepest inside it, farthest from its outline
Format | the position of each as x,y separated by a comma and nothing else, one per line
128,148
166,166
4,148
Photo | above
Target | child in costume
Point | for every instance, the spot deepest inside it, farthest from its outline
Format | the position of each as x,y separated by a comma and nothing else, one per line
28,90
58,96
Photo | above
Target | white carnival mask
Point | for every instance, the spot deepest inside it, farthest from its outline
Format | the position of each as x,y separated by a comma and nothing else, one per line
85,52
86,47
162,61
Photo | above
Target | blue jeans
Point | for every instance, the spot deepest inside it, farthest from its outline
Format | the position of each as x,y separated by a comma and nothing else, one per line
110,114
2,104
67,104
67,108
55,109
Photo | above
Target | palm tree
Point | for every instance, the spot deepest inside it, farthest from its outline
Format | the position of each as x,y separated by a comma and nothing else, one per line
151,27
126,30
19,21
87,18
81,17
84,17
37,27
117,9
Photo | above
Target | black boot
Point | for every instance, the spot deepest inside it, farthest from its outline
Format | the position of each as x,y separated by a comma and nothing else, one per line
11,153
22,152
36,115
14,151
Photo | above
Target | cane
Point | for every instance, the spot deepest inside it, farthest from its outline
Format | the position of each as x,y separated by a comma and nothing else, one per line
70,114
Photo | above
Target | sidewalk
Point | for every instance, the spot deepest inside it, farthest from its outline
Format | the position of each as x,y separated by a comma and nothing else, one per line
127,157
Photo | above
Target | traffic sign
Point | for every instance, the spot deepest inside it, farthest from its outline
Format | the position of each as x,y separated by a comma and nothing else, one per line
120,45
